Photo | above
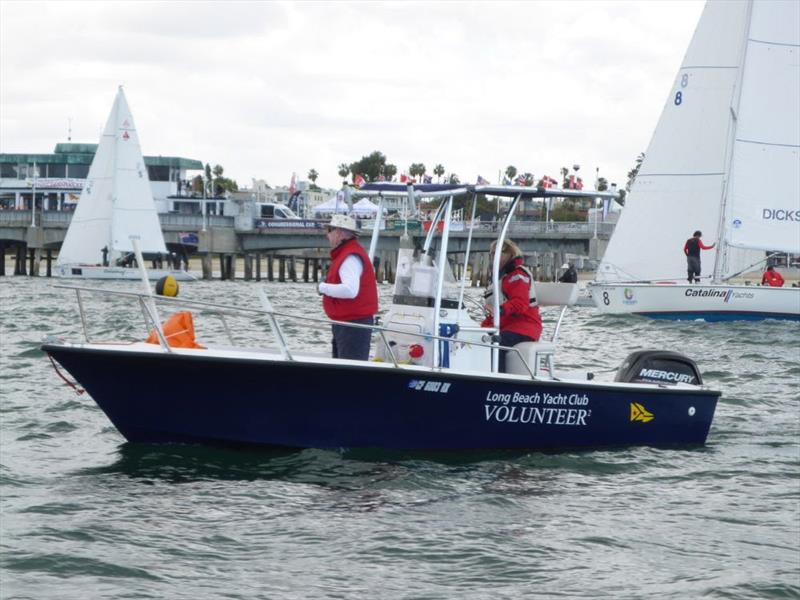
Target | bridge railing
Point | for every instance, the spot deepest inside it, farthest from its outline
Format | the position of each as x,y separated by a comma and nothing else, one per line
61,219
194,221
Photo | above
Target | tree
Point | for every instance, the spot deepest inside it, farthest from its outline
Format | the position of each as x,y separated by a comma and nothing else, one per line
438,170
602,184
416,169
370,167
389,171
453,180
197,184
634,171
565,177
221,184
344,169
511,172
312,175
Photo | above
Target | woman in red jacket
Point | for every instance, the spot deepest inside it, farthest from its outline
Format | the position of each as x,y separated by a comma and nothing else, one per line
772,278
520,320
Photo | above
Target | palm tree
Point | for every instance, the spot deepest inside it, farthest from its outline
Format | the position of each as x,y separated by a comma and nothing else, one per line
389,171
438,170
564,175
634,171
344,169
416,169
511,172
312,175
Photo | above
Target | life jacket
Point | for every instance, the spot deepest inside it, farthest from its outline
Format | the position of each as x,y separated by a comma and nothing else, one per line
489,293
772,278
178,331
365,304
526,322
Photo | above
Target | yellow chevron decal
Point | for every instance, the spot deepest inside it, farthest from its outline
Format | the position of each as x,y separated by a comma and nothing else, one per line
640,413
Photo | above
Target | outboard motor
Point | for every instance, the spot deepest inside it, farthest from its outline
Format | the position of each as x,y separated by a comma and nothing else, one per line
659,366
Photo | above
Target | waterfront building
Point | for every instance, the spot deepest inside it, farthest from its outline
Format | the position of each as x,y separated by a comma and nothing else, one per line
54,181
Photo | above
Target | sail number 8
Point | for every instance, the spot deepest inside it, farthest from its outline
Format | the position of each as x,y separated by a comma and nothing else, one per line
679,94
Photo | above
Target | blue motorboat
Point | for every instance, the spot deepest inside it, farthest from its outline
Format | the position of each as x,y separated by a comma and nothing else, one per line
432,382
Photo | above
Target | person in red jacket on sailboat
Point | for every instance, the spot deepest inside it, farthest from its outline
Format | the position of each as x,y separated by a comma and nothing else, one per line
520,320
772,278
692,249
349,292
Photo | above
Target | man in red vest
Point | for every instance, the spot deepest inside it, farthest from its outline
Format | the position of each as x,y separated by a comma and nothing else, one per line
772,278
349,292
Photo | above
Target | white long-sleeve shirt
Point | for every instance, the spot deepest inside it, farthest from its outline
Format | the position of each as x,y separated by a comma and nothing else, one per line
350,273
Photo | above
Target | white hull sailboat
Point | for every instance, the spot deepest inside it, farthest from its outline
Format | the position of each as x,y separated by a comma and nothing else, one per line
724,159
116,204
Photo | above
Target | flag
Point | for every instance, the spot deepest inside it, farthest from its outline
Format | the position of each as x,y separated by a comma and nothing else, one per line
292,186
571,182
381,177
358,181
548,182
403,178
520,180
579,184
482,181
427,179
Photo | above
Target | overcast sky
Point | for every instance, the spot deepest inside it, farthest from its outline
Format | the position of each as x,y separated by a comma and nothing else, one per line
270,88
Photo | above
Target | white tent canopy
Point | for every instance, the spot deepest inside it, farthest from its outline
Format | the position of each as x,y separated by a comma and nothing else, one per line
334,204
365,208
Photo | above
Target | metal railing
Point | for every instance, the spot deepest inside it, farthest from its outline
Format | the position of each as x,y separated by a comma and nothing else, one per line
54,218
221,310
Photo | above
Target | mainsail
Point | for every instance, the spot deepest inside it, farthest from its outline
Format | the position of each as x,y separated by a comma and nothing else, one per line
116,201
764,195
700,159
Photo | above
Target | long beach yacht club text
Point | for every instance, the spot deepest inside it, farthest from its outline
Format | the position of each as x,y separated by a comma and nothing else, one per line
500,411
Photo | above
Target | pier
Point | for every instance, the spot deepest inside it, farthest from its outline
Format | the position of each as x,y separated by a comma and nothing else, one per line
264,251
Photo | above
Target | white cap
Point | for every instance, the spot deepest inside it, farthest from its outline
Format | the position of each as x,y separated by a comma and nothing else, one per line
344,222
565,266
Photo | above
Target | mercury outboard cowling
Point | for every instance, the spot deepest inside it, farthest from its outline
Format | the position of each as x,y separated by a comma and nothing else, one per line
659,366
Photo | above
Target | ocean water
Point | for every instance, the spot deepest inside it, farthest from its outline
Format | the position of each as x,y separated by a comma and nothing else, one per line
83,514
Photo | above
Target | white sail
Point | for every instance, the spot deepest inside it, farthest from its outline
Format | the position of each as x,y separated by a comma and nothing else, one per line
116,201
764,196
680,185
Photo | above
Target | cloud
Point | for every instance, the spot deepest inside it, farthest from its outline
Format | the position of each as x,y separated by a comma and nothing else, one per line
269,88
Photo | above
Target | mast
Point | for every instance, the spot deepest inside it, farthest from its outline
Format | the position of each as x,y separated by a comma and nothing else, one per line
111,253
721,258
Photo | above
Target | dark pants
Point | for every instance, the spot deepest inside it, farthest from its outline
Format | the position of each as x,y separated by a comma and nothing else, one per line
352,342
693,268
510,339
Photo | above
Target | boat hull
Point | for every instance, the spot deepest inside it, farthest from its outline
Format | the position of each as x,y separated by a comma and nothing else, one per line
699,301
117,273
197,396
